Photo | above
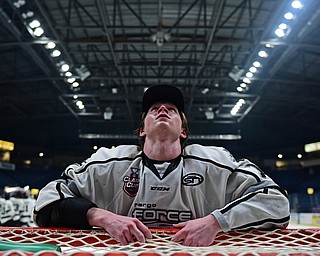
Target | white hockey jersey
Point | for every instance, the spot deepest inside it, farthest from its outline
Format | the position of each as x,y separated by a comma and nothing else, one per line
203,180
6,211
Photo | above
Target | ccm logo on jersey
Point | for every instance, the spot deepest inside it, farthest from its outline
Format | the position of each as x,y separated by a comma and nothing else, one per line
192,179
159,188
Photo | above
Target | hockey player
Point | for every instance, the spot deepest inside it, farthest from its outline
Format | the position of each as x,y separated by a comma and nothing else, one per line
201,190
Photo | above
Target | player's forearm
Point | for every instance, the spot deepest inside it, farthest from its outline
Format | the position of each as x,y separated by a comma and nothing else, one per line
97,217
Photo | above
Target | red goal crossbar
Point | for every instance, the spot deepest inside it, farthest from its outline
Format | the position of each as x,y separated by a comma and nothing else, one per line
52,242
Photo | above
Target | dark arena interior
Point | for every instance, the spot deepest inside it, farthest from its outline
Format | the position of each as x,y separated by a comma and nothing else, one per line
72,76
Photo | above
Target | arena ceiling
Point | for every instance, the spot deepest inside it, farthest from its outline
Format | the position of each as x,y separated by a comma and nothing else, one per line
110,51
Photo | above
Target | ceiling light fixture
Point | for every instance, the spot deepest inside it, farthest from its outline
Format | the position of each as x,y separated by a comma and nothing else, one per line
50,45
27,14
263,54
55,53
65,67
296,4
34,24
75,84
282,30
256,64
288,16
19,3
38,31
70,80
35,29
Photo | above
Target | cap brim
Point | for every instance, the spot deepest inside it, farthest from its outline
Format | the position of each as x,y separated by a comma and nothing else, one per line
162,93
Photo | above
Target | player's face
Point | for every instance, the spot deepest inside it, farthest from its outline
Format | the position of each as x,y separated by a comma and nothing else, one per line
163,119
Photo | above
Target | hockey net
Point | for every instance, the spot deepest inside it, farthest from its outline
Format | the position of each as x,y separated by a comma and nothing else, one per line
293,242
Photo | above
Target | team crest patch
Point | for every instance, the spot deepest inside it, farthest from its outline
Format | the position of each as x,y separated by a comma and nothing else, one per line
131,183
192,179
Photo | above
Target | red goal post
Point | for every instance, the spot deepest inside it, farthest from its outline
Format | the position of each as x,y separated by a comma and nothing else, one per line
293,242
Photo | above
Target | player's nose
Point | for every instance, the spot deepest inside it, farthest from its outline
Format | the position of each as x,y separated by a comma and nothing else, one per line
162,108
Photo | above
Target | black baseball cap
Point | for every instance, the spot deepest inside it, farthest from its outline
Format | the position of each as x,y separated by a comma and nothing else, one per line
162,93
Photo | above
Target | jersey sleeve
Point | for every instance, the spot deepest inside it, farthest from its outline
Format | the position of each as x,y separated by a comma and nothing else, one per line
253,200
60,199
64,202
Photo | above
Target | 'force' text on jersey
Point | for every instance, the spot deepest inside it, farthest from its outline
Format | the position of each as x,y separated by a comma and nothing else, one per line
161,215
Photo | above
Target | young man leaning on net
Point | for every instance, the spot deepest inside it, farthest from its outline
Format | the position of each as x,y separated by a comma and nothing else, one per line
201,190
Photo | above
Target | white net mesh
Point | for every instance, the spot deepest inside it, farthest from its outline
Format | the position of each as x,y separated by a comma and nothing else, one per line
294,242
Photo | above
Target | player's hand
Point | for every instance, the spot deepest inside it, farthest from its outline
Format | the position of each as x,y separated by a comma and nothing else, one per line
122,228
198,232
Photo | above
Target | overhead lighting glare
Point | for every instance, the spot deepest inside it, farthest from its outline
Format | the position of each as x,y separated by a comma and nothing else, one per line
68,74
80,105
75,84
205,91
246,80
310,191
233,112
256,64
249,74
38,31
283,26
34,24
279,32
50,45
19,3
55,53
237,107
70,80
65,67
242,101
253,69
27,14
288,16
311,147
263,54
296,5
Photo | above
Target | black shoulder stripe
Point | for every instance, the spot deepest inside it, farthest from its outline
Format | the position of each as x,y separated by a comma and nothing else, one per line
209,161
107,161
224,166
249,173
249,196
58,188
243,199
261,222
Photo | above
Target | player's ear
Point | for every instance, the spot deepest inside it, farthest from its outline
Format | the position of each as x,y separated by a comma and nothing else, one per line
141,132
183,133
